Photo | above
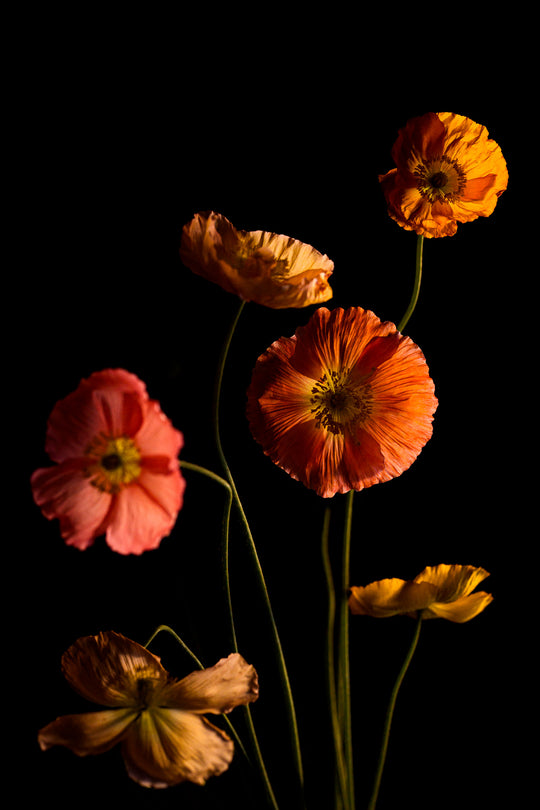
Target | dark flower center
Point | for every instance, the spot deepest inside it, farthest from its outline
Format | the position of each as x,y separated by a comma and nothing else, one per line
438,180
111,462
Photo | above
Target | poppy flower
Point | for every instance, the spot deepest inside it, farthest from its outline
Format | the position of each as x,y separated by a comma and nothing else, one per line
345,403
156,719
271,269
440,591
447,171
117,471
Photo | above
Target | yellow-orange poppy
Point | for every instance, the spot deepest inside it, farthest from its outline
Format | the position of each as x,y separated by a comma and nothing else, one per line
157,720
271,269
345,403
440,591
447,171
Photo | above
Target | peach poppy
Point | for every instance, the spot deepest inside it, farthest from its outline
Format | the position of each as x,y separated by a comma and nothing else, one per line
155,718
345,403
271,269
440,591
117,471
447,171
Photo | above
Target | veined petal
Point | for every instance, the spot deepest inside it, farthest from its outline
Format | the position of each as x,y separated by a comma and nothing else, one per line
219,689
145,512
90,733
105,669
168,746
390,597
462,609
452,581
157,436
109,401
64,492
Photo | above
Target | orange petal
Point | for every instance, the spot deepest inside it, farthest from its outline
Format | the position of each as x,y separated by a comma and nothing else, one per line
462,609
390,597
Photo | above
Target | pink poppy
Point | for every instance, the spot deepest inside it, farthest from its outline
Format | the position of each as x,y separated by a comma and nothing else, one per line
117,471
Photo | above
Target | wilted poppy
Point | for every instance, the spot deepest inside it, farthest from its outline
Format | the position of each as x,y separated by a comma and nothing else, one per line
447,171
345,403
270,269
117,471
440,591
157,719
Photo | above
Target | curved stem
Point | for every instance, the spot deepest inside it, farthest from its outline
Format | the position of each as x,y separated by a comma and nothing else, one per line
293,726
390,713
344,677
417,281
164,628
341,782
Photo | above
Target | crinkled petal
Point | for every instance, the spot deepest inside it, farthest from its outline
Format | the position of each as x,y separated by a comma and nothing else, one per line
105,668
91,733
390,597
168,746
452,581
109,402
462,609
145,512
219,689
157,436
64,492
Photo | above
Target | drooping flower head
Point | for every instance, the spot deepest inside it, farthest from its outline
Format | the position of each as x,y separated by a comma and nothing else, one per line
447,171
156,719
345,403
117,471
440,591
271,269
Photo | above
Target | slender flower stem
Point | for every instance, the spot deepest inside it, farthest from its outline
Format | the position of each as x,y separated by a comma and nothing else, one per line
293,727
390,713
344,677
417,281
342,799
225,533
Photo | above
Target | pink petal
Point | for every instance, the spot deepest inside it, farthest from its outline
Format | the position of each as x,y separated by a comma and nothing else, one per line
219,689
109,401
64,492
168,746
145,512
157,436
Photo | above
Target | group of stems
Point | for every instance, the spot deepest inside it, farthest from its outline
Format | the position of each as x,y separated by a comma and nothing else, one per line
338,664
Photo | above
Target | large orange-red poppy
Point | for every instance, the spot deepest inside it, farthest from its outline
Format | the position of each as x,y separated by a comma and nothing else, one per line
345,403
447,171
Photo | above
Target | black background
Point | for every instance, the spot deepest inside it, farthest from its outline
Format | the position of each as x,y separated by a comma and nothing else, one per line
125,136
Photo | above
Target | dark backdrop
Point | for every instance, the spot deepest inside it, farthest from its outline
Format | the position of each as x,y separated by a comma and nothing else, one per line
119,157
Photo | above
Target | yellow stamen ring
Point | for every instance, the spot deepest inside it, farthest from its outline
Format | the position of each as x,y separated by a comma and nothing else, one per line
113,462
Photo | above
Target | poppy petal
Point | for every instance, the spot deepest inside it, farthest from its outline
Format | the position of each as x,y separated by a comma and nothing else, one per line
390,597
64,492
168,746
90,733
462,609
219,689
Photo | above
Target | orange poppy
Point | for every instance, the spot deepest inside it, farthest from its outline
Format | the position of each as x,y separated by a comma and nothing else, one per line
273,270
447,171
345,403
440,591
156,719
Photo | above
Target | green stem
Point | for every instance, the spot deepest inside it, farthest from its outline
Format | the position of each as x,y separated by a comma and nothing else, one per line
344,677
417,281
225,534
293,727
166,629
390,713
341,781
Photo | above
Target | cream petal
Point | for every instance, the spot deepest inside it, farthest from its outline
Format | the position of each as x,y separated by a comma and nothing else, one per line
168,746
219,689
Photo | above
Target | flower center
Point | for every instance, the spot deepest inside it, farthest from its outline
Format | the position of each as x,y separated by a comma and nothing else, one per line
441,178
113,462
338,404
